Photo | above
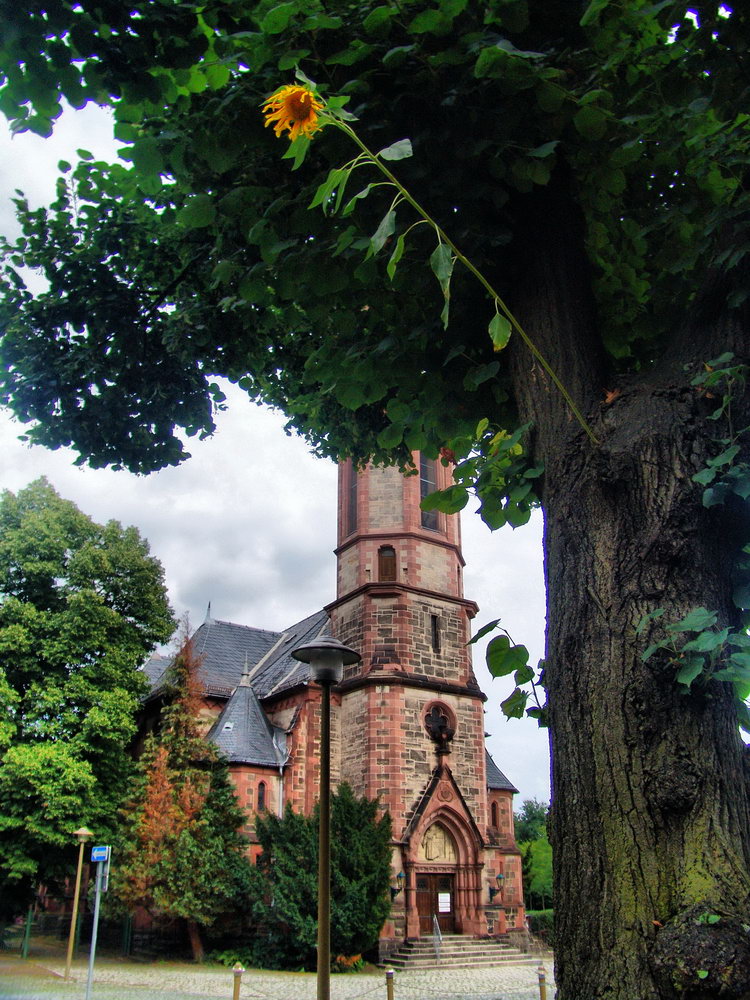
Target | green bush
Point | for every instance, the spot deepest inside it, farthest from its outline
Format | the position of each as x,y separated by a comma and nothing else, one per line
542,925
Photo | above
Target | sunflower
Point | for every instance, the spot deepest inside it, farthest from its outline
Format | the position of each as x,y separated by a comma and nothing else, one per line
293,108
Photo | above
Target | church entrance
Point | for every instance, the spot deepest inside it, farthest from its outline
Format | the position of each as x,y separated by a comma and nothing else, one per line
435,898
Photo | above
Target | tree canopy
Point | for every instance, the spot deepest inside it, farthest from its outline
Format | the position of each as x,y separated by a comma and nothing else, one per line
531,820
197,256
590,160
81,607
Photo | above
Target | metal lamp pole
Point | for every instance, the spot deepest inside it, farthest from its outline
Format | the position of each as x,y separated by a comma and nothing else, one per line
83,834
326,658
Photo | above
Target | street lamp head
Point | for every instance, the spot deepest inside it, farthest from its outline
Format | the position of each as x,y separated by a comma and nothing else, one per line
82,834
327,658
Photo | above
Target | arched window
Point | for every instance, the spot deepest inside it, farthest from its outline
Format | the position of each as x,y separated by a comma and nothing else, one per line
386,563
261,796
427,485
495,818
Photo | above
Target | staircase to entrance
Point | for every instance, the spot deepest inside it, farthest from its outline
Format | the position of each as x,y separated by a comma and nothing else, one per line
458,952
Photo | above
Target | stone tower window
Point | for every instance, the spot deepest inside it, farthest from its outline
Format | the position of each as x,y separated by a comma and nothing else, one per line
351,500
435,633
261,796
386,563
495,819
427,485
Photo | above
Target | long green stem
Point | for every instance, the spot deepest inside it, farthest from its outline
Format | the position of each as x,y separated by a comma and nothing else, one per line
444,238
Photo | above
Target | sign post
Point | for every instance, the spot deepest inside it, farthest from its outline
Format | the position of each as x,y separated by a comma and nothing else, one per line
101,855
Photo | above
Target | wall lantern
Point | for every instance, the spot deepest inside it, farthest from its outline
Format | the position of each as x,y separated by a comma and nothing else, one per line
396,889
500,878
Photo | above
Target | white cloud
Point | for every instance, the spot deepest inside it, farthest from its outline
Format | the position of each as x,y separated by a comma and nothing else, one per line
249,522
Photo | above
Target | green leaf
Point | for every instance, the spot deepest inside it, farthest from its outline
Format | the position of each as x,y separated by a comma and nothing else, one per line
198,212
386,228
430,21
474,378
277,19
396,256
377,19
592,12
697,620
704,477
146,156
591,122
707,641
391,436
741,595
690,669
400,150
702,973
441,262
500,331
515,704
649,651
727,456
485,630
449,501
217,75
523,675
541,152
504,659
351,204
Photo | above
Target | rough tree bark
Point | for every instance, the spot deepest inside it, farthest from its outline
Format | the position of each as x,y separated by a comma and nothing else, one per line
650,821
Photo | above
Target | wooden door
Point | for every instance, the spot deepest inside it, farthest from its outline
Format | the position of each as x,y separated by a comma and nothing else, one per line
435,897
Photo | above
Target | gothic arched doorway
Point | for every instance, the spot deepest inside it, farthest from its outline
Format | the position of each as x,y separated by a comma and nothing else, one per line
435,881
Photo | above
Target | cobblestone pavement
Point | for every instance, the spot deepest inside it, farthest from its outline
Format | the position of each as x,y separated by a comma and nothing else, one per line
123,980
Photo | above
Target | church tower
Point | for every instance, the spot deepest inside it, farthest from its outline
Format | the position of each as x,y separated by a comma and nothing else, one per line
410,715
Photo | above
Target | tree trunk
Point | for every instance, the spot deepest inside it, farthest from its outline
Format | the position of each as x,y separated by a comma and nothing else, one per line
196,942
650,808
650,818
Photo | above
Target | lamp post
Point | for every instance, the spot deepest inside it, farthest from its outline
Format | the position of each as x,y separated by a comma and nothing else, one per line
82,834
326,658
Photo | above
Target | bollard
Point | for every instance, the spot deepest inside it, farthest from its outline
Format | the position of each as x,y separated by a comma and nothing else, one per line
237,970
389,983
541,972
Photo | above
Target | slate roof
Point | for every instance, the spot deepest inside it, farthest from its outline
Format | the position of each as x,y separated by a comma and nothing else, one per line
225,650
243,734
495,777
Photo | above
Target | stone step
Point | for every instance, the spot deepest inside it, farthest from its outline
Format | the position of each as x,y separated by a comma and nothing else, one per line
458,963
457,951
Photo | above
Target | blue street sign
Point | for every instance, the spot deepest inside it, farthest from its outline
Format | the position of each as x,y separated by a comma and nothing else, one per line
100,853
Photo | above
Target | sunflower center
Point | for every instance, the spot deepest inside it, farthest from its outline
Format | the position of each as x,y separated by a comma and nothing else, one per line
300,105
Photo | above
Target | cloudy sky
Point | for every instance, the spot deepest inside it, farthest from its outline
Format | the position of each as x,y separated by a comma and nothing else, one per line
249,522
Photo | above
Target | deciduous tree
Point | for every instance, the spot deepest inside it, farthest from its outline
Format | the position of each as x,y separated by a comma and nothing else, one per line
591,160
81,607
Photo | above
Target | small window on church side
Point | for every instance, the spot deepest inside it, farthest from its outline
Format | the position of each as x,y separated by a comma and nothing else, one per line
494,821
386,563
427,485
351,500
435,633
261,796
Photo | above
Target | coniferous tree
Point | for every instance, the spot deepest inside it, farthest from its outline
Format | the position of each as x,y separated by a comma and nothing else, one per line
182,854
286,898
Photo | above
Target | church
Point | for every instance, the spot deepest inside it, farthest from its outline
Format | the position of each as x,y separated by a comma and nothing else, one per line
407,720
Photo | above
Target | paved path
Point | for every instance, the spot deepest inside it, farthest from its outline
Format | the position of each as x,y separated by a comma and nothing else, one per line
124,980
